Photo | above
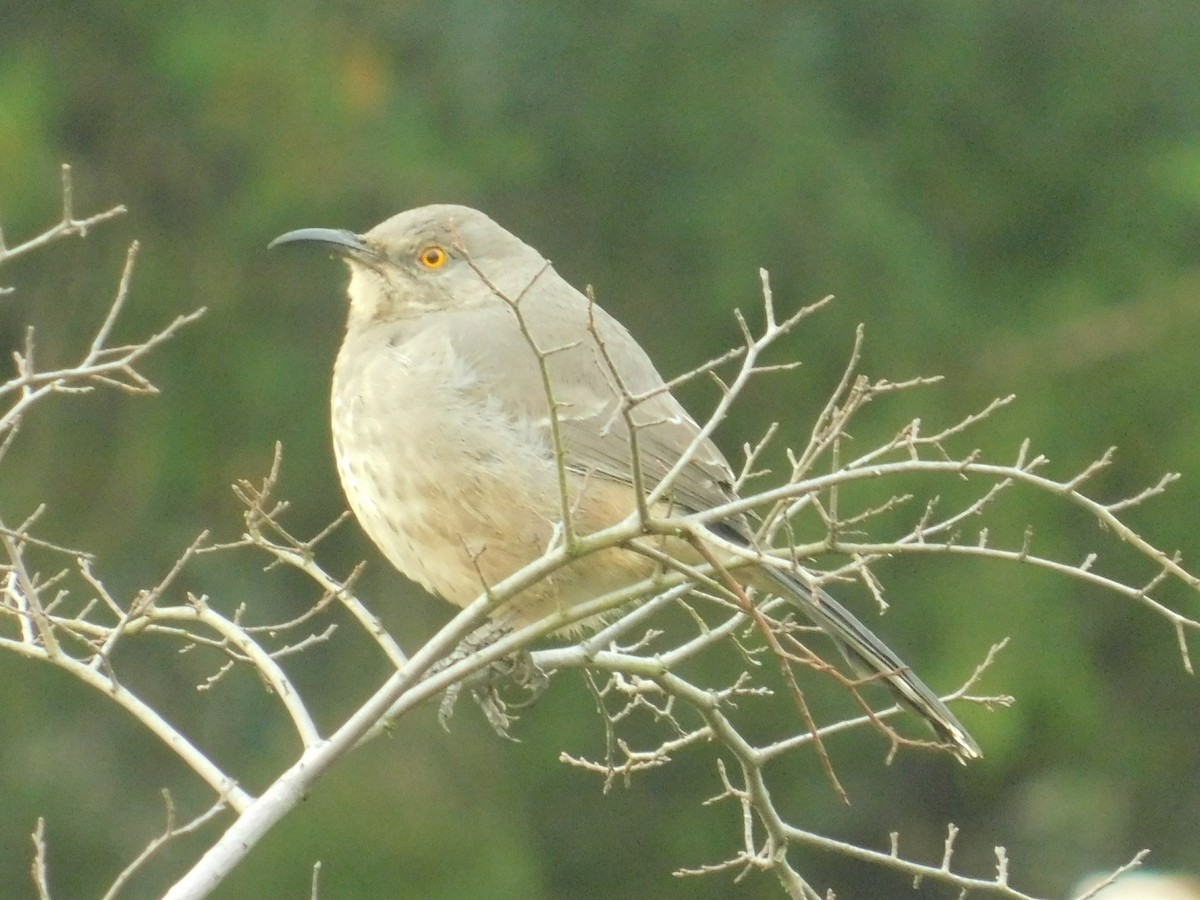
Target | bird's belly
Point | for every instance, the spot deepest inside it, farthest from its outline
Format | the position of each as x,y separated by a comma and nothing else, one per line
459,513
441,517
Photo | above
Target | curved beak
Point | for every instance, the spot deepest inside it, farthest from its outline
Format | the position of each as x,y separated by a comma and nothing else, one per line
343,243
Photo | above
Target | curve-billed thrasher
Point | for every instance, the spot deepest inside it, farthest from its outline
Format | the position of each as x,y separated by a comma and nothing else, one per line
442,428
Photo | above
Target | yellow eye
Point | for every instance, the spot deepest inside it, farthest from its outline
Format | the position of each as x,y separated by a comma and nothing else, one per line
433,257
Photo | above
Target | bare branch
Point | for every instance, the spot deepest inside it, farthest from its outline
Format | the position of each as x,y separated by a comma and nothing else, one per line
1134,863
38,870
645,665
170,832
67,226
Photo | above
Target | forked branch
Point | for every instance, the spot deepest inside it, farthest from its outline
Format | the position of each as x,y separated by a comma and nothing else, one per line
645,666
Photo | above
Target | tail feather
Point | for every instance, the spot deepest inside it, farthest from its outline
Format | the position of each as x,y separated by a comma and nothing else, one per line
867,653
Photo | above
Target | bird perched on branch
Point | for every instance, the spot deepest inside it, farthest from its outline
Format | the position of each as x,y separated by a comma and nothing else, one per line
475,386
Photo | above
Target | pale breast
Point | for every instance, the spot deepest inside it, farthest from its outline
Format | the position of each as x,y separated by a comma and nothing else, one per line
454,492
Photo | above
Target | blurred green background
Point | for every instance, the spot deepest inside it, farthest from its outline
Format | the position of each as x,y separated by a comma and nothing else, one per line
1006,194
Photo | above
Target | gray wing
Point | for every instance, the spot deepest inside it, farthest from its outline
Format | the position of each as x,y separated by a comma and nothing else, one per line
582,346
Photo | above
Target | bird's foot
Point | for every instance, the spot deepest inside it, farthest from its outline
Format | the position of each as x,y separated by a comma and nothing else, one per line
489,685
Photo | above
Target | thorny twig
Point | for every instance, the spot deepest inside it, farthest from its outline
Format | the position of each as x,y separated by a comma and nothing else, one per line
634,664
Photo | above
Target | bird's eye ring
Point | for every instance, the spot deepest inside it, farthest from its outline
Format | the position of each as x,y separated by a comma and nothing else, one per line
433,257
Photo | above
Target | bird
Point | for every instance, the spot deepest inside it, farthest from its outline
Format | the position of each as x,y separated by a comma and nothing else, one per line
474,384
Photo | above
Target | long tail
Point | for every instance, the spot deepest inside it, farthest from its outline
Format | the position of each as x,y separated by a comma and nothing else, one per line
872,656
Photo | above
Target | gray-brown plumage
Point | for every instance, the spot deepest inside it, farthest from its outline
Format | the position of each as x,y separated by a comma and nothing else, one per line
442,428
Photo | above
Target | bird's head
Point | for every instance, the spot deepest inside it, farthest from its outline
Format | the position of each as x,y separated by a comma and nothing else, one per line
425,259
